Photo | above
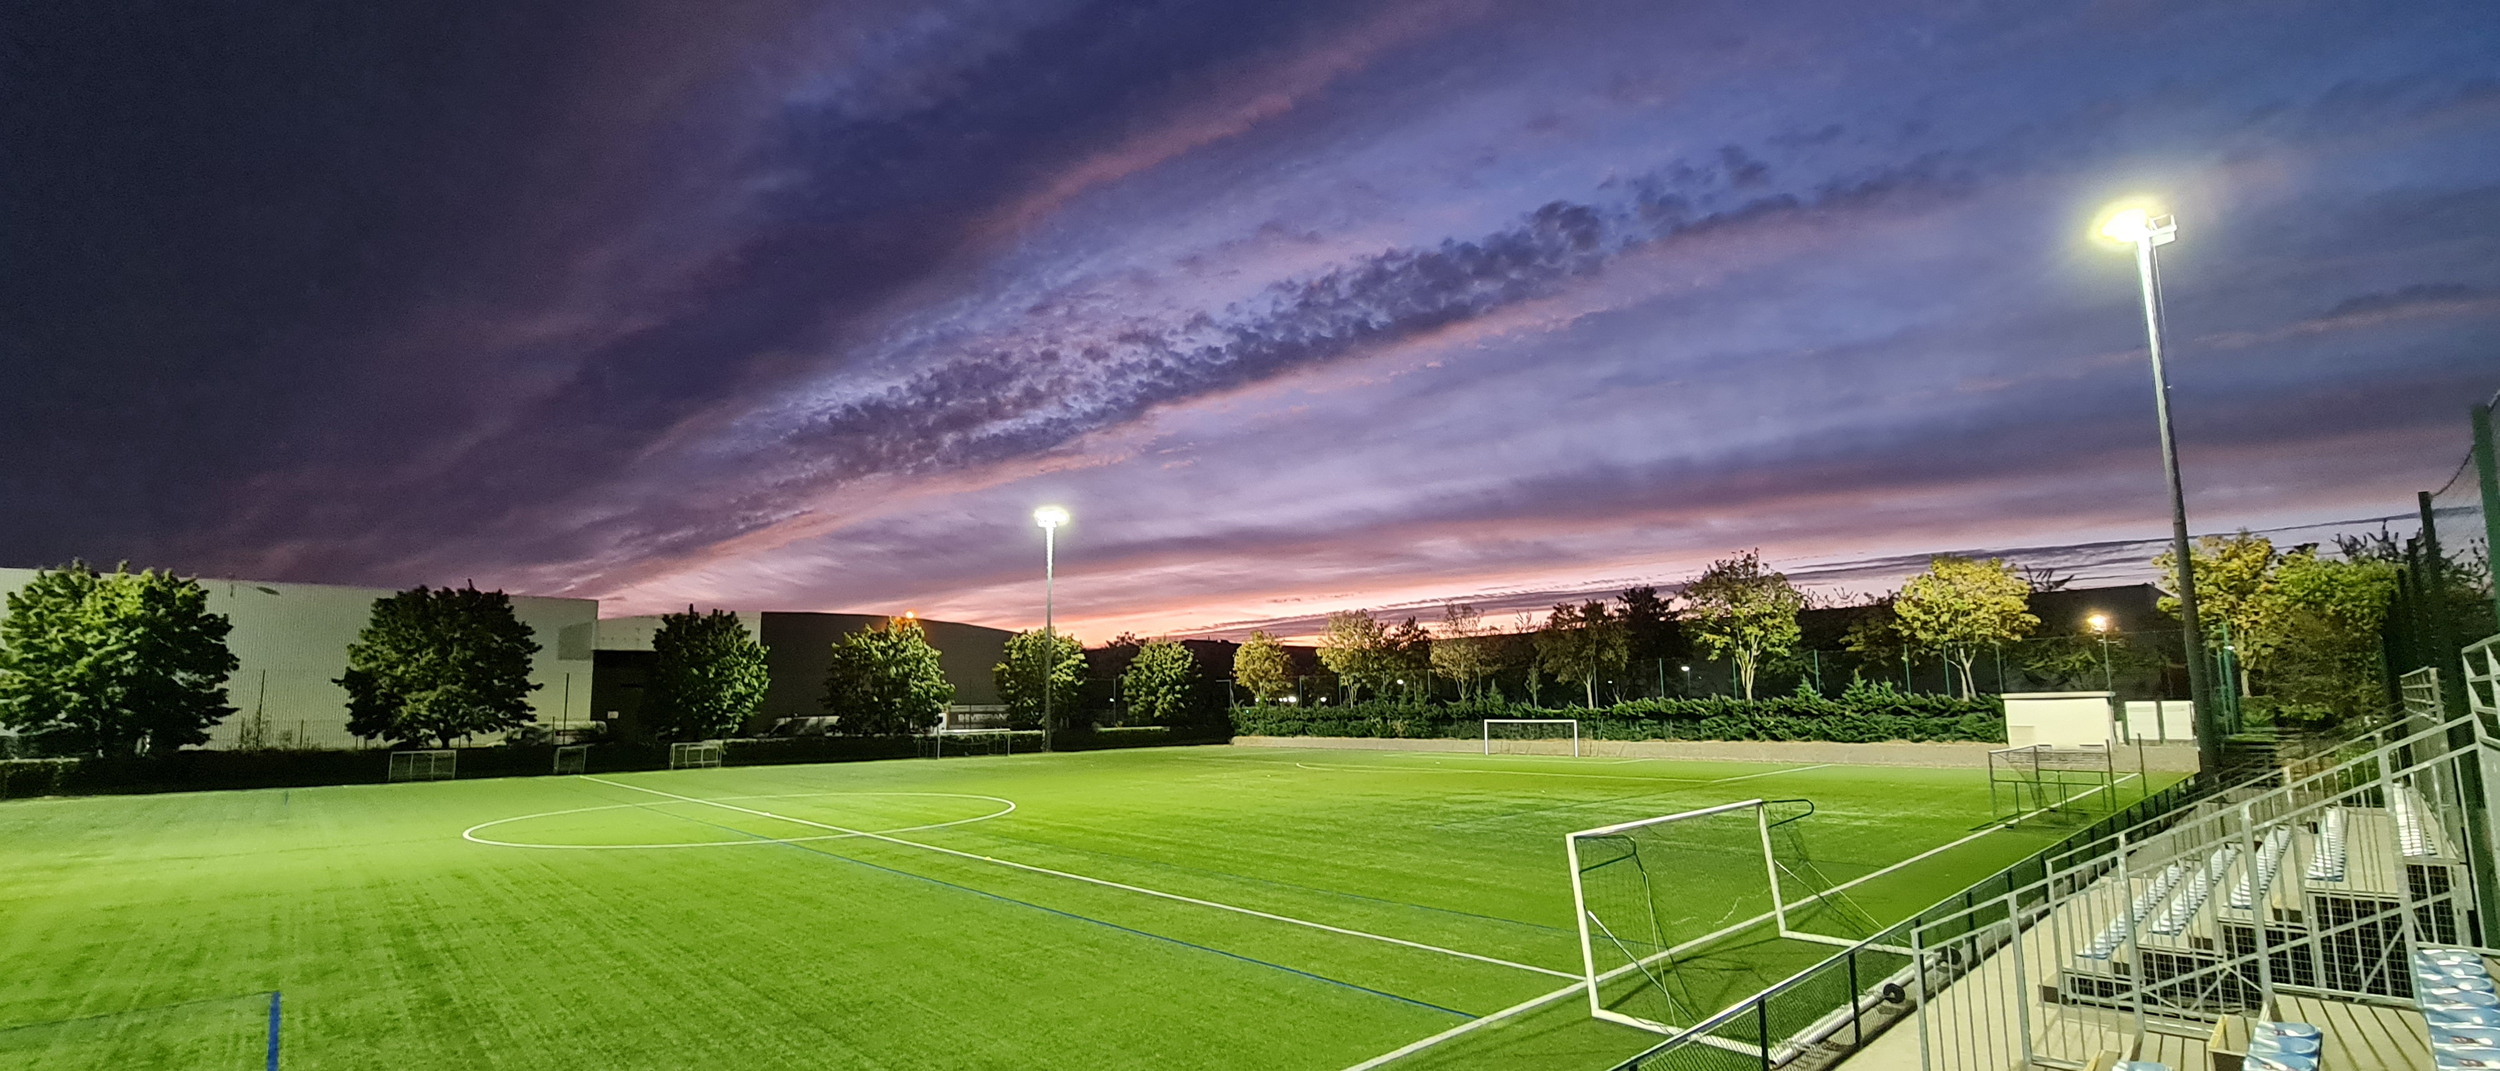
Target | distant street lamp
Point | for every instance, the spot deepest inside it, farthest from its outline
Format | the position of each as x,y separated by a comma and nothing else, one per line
1049,518
2100,627
2147,232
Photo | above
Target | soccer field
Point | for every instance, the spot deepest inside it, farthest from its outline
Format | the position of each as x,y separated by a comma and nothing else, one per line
1212,907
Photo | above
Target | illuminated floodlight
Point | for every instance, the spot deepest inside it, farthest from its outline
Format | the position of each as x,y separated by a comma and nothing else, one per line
2135,225
2099,622
1050,516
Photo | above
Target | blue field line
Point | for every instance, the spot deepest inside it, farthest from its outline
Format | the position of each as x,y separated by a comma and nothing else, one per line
1280,884
1073,915
273,1030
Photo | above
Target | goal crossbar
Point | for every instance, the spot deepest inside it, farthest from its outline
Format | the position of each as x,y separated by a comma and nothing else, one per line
1574,723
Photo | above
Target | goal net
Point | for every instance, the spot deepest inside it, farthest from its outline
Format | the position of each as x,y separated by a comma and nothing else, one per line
1683,915
951,743
2042,779
423,765
573,759
1531,736
694,756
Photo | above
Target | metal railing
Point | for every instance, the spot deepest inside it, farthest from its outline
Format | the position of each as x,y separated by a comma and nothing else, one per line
2317,884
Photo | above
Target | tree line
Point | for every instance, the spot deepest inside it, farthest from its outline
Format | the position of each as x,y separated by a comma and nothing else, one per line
2303,629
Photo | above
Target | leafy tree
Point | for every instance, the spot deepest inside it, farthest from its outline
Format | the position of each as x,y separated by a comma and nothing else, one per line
708,678
435,664
2235,577
1465,650
1580,642
113,664
2062,662
1160,682
1409,657
1742,611
2320,636
885,681
1959,606
1026,661
1356,648
1262,666
1651,632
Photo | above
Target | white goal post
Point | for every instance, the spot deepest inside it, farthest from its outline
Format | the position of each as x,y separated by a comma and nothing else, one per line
1644,893
1517,728
695,756
972,742
429,765
573,759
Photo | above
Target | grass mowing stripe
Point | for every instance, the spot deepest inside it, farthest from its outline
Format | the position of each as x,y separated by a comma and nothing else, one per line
1325,768
1102,882
123,1014
1184,868
1002,898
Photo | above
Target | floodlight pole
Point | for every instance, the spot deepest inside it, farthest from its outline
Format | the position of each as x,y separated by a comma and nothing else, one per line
2159,232
1049,518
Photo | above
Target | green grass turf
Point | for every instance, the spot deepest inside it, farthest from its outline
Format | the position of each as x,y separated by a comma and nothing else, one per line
147,931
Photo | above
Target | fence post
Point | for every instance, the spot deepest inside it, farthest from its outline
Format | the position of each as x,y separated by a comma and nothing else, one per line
1857,1028
1762,1028
2487,479
2022,980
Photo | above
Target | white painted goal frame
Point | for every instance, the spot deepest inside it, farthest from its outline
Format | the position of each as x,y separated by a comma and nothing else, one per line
1006,739
1574,723
1770,871
573,759
696,756
427,765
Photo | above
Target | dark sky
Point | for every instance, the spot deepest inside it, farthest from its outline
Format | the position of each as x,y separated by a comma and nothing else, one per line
1295,306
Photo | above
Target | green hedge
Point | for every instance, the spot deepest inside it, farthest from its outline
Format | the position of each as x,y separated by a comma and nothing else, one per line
1862,716
195,770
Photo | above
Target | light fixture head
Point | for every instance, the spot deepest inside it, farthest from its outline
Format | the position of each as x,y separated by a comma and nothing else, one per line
2099,622
2135,224
1050,517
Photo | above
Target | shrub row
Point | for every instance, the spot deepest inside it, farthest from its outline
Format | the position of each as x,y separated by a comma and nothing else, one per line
1850,719
203,770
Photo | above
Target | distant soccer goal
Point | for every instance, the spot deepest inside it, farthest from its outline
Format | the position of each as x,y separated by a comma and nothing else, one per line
437,765
701,755
951,743
573,759
1683,915
2040,778
1530,736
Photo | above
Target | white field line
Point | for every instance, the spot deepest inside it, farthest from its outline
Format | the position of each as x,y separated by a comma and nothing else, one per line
1774,773
1549,998
470,834
1548,773
1102,882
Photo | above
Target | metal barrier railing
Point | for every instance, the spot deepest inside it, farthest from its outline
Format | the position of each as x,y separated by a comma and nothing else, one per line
2215,908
